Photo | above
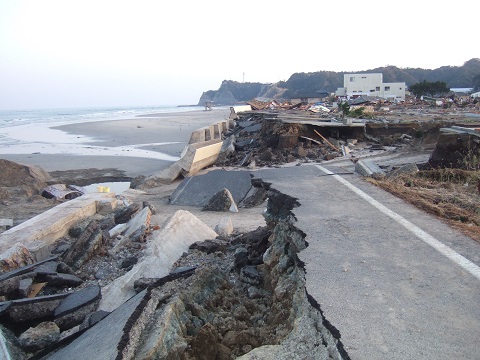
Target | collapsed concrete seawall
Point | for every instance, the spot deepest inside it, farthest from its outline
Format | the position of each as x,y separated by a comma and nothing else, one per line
245,300
252,306
211,132
201,151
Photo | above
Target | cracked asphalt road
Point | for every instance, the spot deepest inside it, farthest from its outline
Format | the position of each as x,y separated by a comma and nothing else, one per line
389,293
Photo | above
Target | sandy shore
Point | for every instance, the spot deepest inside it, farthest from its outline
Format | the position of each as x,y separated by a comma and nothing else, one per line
139,146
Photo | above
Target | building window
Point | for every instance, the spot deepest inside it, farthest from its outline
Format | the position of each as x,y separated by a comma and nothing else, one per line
352,79
372,90
364,77
399,88
387,88
377,88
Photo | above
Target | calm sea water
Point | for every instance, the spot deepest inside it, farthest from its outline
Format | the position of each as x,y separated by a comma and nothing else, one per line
65,116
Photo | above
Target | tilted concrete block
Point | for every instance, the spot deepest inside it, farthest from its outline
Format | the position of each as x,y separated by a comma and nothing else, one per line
164,247
39,233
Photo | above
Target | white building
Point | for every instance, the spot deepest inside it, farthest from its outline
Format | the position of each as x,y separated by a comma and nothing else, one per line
371,85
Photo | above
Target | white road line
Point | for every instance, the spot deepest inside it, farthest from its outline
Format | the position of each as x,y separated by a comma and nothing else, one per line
422,235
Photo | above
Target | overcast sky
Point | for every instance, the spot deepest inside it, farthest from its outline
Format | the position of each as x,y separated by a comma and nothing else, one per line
61,53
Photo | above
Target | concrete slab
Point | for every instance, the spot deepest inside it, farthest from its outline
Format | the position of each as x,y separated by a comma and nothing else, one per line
40,232
101,341
166,176
140,219
202,150
198,190
28,309
367,168
163,248
78,299
194,158
200,155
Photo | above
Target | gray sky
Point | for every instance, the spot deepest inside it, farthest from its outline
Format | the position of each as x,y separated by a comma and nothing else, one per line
61,53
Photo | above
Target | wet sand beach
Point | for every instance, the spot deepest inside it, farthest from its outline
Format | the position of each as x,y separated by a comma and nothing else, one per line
142,145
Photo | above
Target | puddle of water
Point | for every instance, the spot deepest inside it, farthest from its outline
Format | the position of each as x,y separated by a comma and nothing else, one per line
115,187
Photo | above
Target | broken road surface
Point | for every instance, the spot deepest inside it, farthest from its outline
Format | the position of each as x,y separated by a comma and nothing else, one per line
396,282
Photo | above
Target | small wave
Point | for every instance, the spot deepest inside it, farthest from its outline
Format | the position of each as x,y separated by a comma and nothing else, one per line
126,111
10,118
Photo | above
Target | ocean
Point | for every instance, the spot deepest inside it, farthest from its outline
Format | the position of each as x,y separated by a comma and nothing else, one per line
9,118
33,131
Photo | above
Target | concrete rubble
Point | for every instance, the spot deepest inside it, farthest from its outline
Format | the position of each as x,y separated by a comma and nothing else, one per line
163,248
163,311
37,289
39,233
198,190
246,298
279,135
221,201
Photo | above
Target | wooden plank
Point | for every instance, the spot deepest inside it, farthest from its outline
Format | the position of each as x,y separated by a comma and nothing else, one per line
328,142
36,289
313,140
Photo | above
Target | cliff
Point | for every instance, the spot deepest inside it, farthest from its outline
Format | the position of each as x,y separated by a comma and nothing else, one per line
232,92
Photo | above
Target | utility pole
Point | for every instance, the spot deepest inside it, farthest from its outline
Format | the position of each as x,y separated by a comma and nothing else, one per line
244,76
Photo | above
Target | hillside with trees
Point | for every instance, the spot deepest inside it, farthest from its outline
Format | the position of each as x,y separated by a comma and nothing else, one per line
232,92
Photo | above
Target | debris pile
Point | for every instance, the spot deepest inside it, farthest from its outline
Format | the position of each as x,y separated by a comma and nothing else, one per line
260,139
46,301
277,138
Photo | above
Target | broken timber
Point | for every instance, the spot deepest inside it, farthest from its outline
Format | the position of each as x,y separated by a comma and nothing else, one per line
328,142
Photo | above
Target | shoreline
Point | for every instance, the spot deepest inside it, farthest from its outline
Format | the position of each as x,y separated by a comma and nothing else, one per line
142,145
